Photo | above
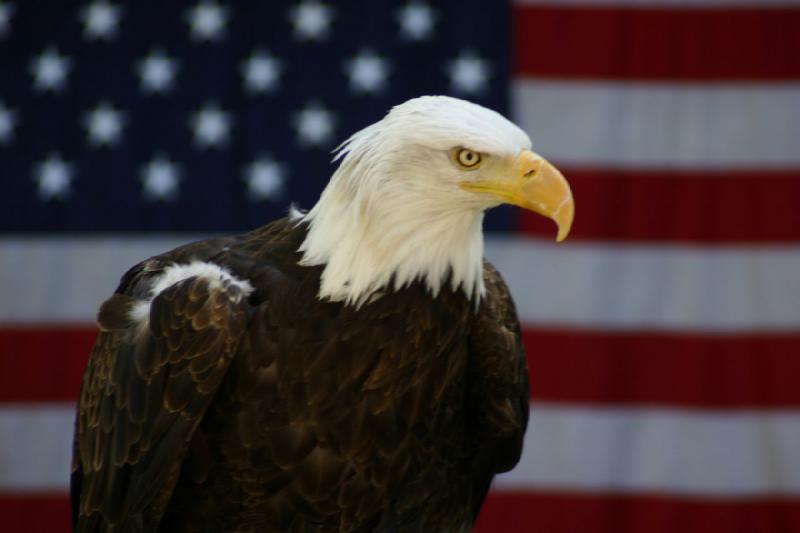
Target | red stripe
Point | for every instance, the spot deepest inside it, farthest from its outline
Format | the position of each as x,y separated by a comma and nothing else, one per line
522,513
657,43
759,206
709,371
36,513
43,363
577,513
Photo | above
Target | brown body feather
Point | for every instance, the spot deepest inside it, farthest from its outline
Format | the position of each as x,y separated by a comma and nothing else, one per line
281,412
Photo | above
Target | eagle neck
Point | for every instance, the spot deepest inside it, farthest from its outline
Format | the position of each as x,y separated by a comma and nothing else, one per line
369,248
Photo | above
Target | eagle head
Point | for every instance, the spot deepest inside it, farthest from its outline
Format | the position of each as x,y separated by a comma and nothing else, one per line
407,200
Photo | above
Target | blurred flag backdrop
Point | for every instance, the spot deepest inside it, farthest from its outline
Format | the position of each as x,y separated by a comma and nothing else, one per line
663,338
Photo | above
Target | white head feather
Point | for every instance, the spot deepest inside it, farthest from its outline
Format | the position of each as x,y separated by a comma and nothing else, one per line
393,211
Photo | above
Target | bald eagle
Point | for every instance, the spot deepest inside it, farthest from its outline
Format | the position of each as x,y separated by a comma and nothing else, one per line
357,368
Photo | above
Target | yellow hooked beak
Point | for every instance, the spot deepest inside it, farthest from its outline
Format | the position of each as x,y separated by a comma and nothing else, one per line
533,184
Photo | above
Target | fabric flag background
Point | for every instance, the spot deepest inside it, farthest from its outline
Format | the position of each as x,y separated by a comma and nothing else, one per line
663,337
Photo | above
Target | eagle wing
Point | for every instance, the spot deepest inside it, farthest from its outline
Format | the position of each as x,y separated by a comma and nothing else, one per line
498,395
145,389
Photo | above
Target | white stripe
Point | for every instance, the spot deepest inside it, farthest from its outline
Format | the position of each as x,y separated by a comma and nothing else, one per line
35,446
661,125
617,287
700,453
681,4
635,287
66,280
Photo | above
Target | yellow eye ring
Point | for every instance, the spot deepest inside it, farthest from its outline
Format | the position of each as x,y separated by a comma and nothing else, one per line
468,158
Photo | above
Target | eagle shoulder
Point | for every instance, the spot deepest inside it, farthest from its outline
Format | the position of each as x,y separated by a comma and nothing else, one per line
499,369
167,338
497,398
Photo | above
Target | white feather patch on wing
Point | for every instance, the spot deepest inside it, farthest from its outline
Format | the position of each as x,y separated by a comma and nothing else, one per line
215,274
295,213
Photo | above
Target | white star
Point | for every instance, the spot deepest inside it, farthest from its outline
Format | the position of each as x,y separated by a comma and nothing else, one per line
367,72
160,178
50,71
6,10
100,20
468,73
261,72
8,119
314,125
416,21
157,72
312,20
211,126
54,176
104,125
207,21
265,178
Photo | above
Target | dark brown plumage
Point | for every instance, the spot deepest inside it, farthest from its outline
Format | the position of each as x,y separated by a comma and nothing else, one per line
281,412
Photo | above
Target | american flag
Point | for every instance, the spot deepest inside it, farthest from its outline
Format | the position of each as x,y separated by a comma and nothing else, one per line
663,338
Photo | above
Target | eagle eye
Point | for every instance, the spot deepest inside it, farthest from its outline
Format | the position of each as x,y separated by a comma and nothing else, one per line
467,158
